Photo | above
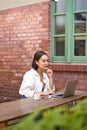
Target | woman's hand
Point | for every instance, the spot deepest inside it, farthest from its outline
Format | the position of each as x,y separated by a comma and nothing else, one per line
47,93
49,73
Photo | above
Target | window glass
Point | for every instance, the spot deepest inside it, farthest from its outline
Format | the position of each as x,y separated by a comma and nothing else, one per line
80,23
80,5
60,25
60,6
60,46
79,46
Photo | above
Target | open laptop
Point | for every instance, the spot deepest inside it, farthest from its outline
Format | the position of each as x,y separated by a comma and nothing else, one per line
69,91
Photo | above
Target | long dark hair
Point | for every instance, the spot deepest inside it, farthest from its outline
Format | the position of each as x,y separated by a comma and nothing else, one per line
36,57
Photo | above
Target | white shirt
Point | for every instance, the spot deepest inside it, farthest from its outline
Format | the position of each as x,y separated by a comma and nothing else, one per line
31,83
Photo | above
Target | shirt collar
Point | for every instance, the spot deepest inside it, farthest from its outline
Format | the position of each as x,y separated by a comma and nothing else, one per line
36,73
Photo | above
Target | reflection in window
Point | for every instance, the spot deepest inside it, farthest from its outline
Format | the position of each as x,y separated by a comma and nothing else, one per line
80,23
60,46
81,5
60,6
79,48
60,25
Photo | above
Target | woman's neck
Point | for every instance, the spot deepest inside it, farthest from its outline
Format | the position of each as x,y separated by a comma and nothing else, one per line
40,71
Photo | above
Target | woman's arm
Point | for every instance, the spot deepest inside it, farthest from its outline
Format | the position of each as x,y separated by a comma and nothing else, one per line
50,76
44,93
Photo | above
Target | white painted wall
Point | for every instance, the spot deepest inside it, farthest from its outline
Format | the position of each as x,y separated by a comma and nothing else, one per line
6,4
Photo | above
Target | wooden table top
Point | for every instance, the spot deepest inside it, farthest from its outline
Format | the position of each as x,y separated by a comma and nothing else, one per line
21,107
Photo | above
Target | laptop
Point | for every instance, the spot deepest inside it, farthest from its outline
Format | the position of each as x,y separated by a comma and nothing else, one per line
69,91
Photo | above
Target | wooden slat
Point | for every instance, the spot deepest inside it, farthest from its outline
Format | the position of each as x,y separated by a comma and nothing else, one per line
2,125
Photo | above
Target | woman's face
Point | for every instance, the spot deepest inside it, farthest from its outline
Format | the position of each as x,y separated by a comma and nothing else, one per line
43,62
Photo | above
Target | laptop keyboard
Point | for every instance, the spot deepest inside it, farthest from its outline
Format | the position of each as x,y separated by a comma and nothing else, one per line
57,95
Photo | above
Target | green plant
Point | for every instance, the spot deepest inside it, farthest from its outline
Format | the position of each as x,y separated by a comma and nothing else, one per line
60,118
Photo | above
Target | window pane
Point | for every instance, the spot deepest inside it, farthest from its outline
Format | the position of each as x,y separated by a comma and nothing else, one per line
60,46
60,25
79,46
81,5
80,23
60,6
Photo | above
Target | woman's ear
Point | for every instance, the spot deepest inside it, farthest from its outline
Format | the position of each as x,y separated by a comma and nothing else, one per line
36,62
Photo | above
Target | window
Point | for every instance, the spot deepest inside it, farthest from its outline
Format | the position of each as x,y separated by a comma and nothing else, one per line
69,31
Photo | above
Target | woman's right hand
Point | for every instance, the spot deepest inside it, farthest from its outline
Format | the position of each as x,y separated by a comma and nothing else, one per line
47,93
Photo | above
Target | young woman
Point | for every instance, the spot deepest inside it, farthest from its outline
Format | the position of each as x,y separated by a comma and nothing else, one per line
39,79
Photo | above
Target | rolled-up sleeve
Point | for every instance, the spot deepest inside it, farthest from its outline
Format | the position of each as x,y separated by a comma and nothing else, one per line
27,86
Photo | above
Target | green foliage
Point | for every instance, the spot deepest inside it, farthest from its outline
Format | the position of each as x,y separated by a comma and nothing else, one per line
60,118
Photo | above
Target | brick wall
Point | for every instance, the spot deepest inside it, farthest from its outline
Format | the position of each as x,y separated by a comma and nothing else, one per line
23,30
64,72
